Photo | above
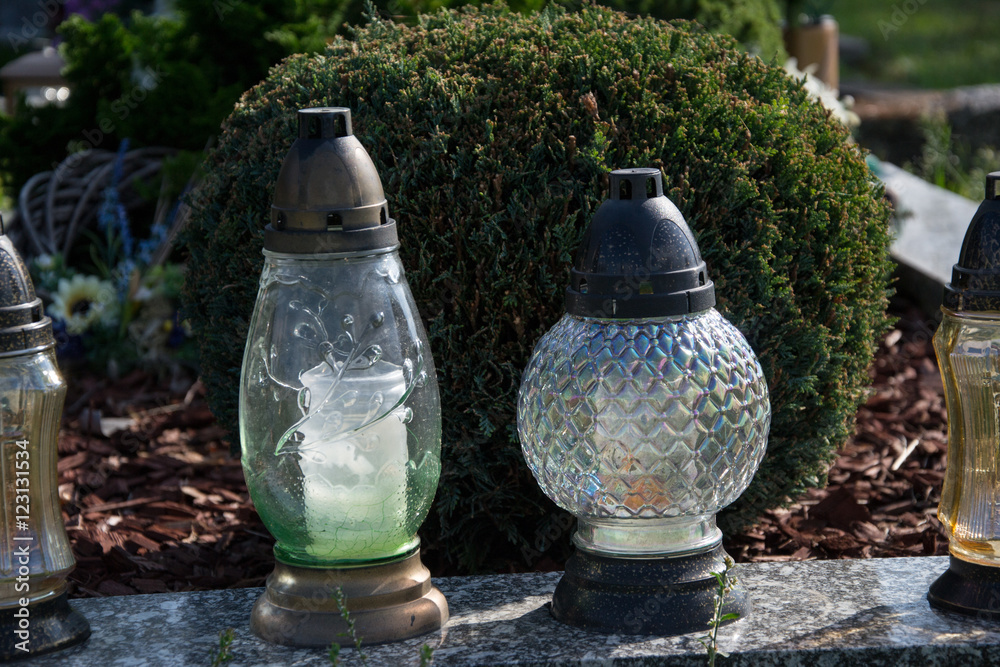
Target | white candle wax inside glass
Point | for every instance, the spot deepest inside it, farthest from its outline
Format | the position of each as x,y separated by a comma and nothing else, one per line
353,456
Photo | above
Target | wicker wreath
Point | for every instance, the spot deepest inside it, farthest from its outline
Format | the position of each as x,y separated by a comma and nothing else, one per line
54,207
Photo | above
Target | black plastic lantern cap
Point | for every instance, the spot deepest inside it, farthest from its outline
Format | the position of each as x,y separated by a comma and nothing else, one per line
24,326
975,280
638,258
328,196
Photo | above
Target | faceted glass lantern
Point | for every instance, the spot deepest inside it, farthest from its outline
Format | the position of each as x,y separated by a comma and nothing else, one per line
656,419
340,420
643,412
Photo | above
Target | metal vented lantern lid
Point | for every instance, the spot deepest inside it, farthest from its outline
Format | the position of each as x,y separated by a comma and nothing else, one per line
328,196
24,326
638,257
975,279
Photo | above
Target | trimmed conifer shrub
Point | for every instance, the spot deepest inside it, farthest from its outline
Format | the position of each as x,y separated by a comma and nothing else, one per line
493,133
756,24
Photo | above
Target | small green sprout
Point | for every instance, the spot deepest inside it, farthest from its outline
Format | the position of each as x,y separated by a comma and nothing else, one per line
334,652
426,655
426,652
222,654
725,583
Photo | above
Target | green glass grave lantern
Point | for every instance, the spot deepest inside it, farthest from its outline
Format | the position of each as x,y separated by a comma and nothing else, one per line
340,419
643,412
35,555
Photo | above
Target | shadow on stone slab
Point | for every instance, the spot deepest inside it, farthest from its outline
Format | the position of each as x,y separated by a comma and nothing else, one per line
475,594
901,625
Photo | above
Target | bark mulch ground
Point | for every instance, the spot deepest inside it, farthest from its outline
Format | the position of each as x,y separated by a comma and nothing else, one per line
159,505
885,484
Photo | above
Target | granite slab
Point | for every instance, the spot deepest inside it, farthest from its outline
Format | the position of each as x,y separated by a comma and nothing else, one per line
816,613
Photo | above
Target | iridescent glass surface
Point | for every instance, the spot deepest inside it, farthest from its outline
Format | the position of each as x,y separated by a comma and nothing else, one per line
644,429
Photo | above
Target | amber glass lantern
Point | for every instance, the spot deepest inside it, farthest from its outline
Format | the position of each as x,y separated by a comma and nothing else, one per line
967,344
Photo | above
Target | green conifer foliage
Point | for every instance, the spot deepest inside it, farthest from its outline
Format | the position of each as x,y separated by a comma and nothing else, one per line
493,133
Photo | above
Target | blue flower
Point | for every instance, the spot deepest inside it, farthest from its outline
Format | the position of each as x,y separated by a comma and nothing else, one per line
157,234
113,218
119,161
177,334
122,277
69,347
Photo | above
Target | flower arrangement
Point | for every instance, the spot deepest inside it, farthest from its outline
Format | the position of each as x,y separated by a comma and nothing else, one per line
122,311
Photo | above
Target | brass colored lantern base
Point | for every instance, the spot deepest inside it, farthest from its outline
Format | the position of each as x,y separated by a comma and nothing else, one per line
967,588
647,596
52,625
387,602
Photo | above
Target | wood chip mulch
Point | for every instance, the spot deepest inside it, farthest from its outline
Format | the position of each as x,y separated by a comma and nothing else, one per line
885,484
159,505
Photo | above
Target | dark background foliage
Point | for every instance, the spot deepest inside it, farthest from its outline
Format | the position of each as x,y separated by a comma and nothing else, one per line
171,80
493,133
156,80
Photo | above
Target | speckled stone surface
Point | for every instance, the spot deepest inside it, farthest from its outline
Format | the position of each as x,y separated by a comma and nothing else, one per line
819,613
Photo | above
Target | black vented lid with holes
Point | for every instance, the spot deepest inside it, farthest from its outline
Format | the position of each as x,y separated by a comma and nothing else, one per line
328,196
638,258
975,280
24,326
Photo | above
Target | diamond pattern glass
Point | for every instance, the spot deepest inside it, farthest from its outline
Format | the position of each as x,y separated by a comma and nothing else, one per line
652,419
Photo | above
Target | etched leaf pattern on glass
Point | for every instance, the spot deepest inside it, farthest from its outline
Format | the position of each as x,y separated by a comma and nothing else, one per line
336,462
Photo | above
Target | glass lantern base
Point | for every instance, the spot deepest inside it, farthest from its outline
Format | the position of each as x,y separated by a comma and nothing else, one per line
52,625
647,538
386,602
967,588
644,596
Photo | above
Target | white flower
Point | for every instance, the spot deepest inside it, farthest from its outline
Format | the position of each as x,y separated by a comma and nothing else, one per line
83,301
824,94
143,294
45,262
